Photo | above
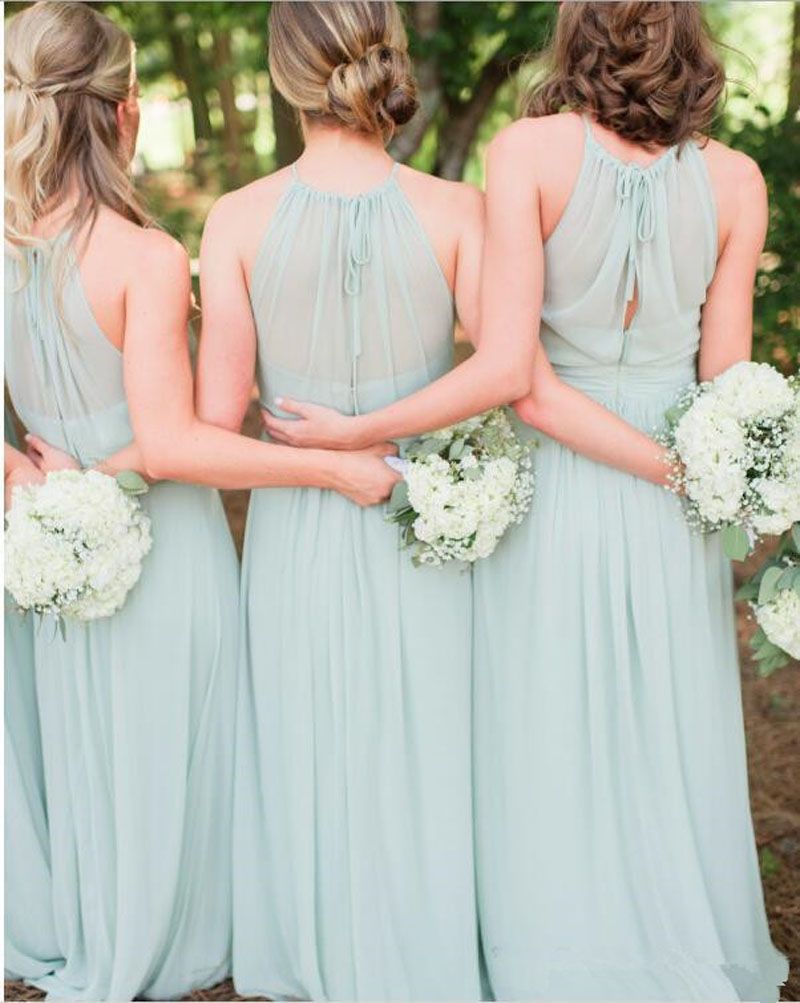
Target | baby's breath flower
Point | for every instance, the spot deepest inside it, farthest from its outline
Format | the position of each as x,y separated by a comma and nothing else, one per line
465,485
74,545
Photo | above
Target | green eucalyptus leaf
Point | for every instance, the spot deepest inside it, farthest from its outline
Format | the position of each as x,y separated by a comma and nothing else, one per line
132,483
399,496
769,585
748,591
787,578
456,449
735,542
796,536
766,650
769,665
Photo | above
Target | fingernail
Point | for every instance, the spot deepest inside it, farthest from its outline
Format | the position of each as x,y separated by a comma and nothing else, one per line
279,401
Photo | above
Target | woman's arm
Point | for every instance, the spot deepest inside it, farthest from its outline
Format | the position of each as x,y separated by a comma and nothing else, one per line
173,442
575,420
727,318
506,266
226,359
18,470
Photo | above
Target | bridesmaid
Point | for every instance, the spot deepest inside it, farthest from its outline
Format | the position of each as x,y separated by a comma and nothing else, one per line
136,711
335,280
611,670
30,941
615,853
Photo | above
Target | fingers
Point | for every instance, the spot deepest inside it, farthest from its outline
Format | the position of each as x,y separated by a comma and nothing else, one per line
293,407
280,429
35,444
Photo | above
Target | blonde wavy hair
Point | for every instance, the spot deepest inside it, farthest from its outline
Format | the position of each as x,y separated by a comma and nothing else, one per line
343,63
647,71
67,67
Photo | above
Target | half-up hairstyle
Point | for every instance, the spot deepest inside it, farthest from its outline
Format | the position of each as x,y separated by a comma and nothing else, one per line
343,62
646,70
67,67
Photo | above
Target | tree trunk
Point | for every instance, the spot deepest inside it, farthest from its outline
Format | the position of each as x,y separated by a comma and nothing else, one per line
231,127
793,102
425,17
187,68
463,120
288,138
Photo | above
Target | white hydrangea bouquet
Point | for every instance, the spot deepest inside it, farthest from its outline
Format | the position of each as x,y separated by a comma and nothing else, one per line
736,443
463,487
74,544
774,594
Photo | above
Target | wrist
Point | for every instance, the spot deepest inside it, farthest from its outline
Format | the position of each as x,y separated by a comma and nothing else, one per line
329,470
363,432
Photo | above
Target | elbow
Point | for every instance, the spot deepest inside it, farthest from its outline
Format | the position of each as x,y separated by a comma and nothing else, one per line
156,469
538,413
162,464
513,383
229,420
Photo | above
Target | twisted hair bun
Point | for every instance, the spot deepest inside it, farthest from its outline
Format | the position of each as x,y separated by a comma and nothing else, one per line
647,71
343,62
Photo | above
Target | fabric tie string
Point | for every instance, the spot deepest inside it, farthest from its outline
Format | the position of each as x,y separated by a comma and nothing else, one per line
635,187
359,251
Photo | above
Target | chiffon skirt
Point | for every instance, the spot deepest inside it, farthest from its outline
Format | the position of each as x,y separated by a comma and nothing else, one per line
137,725
353,851
31,949
615,851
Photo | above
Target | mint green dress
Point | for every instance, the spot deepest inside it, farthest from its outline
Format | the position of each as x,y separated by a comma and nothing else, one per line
136,711
31,949
353,852
615,851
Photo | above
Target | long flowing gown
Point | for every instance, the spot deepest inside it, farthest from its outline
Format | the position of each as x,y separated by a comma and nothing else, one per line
353,853
615,851
136,710
31,948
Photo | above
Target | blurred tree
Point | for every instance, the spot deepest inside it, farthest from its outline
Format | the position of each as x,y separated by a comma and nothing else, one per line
793,96
465,52
424,18
288,138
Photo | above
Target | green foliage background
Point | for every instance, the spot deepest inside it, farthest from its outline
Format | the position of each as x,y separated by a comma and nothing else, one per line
211,121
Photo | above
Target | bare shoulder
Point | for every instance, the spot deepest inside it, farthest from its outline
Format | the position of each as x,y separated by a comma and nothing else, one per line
252,200
450,196
529,137
732,168
135,251
158,252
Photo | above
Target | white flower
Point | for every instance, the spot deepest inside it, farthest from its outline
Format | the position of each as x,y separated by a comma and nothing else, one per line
462,506
738,441
780,621
781,499
74,545
752,390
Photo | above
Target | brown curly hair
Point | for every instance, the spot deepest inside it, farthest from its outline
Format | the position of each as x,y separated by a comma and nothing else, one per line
646,70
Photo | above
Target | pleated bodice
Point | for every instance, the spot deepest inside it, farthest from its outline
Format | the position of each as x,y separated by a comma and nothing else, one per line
136,709
351,307
649,230
64,375
353,854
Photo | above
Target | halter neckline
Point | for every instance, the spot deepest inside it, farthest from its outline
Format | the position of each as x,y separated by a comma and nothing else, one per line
630,166
376,190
